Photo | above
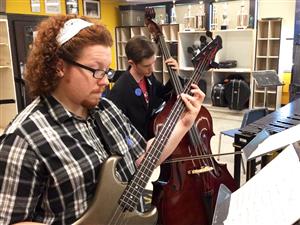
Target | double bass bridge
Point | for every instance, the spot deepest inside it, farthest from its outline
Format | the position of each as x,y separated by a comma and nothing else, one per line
203,169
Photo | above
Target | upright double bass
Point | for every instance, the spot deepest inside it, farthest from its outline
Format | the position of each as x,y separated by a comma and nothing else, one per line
187,188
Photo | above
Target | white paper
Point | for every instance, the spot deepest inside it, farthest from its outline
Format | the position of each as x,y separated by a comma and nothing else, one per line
277,141
272,196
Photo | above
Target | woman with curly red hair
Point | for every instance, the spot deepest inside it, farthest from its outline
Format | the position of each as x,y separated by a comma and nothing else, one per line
51,153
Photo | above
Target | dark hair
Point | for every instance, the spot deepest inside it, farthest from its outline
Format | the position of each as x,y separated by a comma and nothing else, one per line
139,48
41,74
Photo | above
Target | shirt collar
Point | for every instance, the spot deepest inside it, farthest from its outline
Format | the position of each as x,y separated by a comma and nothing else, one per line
56,110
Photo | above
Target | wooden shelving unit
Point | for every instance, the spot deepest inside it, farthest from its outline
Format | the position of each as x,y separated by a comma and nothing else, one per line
124,33
8,105
267,58
238,44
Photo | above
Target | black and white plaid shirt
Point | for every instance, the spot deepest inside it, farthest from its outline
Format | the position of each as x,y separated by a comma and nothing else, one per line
50,160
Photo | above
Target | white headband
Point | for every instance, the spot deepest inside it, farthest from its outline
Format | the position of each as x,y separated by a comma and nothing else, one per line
70,29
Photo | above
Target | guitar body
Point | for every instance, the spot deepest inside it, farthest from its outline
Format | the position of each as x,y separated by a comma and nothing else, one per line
105,202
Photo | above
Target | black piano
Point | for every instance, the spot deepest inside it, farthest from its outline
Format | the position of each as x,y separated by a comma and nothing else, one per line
277,121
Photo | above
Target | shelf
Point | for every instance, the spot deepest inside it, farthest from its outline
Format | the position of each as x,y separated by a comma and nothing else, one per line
171,41
274,39
124,33
233,40
135,31
261,63
262,91
233,30
192,32
274,46
8,105
5,67
267,58
238,44
187,68
263,29
262,48
7,101
275,28
272,63
260,106
5,51
233,70
262,39
217,31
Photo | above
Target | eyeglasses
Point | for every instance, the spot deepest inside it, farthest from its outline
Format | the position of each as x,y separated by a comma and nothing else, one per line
97,73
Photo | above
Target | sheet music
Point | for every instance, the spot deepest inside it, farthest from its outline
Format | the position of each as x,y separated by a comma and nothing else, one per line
272,196
277,141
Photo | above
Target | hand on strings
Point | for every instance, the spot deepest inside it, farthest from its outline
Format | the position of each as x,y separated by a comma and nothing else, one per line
193,105
173,63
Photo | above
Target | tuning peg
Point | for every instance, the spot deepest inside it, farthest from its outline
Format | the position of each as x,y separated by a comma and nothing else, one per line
190,50
209,34
203,42
203,39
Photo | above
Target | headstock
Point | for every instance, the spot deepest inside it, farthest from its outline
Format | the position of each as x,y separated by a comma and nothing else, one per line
153,27
208,51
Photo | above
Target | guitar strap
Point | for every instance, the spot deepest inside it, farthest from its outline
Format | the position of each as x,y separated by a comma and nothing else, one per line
103,134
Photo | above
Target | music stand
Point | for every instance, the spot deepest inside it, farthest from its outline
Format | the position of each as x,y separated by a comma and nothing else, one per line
265,79
222,205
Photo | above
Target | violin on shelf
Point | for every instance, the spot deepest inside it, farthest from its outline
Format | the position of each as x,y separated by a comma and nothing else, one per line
187,188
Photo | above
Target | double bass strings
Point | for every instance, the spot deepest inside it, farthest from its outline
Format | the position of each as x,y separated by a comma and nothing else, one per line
200,146
161,140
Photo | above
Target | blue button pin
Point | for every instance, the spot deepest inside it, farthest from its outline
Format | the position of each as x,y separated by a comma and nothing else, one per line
129,141
138,92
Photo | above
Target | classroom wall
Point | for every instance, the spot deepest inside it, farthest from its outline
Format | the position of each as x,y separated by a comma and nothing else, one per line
108,9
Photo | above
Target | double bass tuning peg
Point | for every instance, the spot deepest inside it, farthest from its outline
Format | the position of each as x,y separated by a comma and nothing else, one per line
209,34
203,39
203,42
